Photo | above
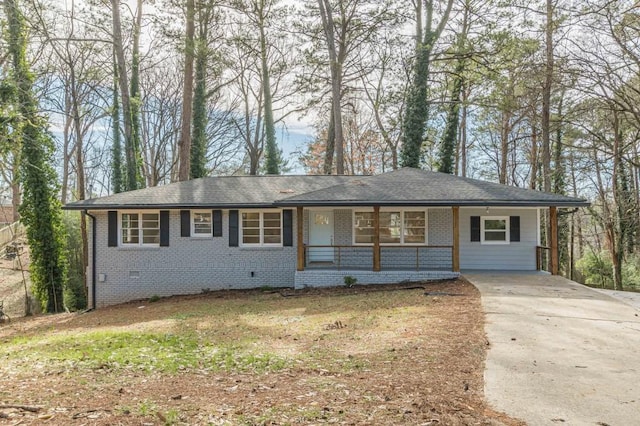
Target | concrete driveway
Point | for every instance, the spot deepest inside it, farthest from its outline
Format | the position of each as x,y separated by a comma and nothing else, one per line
560,352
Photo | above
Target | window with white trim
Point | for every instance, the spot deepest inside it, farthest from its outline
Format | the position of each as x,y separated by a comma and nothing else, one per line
363,227
261,228
494,229
396,227
140,228
201,223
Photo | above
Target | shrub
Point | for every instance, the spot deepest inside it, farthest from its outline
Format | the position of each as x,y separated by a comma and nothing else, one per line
350,281
596,268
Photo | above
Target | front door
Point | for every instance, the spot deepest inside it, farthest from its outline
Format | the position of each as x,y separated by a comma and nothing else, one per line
320,234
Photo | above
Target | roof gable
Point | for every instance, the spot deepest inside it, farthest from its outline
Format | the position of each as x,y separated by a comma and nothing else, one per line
409,186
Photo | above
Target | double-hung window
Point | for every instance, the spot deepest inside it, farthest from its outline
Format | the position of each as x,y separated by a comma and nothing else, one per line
261,228
201,224
140,228
494,229
396,227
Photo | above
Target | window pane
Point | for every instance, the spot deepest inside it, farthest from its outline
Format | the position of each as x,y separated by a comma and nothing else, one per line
495,236
129,220
151,236
272,228
363,229
150,228
390,225
272,239
150,220
414,219
247,239
129,229
414,236
364,239
414,227
202,223
271,223
498,224
130,236
272,216
251,228
321,219
251,220
251,224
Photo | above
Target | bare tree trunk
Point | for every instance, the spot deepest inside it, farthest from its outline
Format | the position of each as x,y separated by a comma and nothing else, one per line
617,227
546,100
336,82
504,146
463,133
330,149
16,194
66,157
187,96
123,81
534,154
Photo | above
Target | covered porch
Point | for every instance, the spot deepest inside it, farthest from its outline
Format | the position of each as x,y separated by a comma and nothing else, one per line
376,250
437,257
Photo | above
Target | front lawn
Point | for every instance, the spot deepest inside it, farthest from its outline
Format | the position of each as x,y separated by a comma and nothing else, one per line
361,355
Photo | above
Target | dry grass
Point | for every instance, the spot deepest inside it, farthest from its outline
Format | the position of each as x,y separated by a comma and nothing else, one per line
365,355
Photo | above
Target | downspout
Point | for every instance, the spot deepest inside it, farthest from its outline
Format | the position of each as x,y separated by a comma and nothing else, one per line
93,260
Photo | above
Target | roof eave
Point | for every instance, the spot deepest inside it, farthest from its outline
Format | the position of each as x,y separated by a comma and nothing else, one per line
452,203
331,203
176,206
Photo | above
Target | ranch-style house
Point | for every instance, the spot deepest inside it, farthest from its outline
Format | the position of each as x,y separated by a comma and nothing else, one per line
298,231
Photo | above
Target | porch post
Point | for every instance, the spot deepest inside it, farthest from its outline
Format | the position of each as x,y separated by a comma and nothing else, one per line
376,238
553,219
300,239
455,252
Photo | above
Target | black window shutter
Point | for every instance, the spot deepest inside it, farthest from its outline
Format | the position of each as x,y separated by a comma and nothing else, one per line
233,228
164,228
287,228
475,228
185,223
113,228
514,228
217,223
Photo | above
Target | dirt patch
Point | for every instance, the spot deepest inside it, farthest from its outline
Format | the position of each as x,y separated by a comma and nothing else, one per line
361,355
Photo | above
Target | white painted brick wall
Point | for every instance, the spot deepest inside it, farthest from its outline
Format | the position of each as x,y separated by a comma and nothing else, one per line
190,264
187,266
324,278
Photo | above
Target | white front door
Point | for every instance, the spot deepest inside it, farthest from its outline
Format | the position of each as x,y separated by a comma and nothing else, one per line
320,234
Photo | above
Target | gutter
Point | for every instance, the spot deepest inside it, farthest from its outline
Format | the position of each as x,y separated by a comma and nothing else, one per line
93,259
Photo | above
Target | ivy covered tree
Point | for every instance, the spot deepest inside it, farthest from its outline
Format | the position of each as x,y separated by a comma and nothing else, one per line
116,149
415,119
40,209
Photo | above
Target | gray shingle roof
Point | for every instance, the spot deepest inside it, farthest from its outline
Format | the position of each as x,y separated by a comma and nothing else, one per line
221,192
402,187
420,187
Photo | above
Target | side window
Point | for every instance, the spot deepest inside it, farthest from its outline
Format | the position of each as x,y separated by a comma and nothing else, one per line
201,224
140,228
494,229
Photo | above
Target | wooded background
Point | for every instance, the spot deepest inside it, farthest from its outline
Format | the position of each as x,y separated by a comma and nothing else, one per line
541,94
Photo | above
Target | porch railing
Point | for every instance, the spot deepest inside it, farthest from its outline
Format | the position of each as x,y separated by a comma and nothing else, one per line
405,257
542,258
